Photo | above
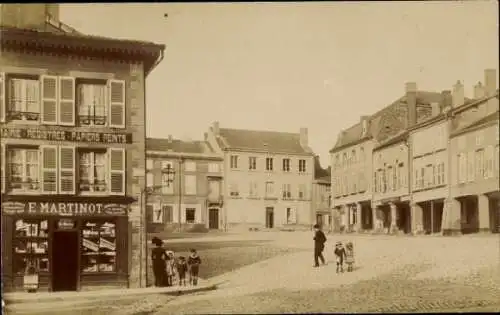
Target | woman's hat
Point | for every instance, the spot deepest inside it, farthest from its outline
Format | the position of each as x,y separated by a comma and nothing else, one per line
156,241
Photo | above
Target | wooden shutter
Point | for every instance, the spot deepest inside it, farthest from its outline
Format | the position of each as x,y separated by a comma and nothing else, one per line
116,103
2,168
49,100
66,170
67,101
490,158
2,97
116,171
470,166
49,169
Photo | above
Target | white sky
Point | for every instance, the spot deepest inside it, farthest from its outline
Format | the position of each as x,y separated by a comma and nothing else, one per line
282,66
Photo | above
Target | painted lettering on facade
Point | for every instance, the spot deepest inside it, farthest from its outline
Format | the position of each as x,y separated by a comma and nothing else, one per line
64,135
63,208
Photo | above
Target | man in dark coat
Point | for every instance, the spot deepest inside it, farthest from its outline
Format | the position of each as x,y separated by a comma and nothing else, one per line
158,257
319,245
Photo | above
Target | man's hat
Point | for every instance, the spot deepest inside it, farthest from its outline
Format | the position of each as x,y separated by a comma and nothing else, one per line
156,241
316,226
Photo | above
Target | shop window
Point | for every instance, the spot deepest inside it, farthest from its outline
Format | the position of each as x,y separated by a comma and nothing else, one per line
31,245
23,169
98,246
92,171
190,215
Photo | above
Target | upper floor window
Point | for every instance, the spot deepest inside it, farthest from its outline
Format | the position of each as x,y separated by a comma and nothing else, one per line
302,166
190,184
234,190
252,163
287,191
302,191
390,178
92,175
269,164
480,165
234,161
353,157
286,165
23,169
92,104
23,99
253,190
213,167
362,154
270,189
344,160
337,161
190,166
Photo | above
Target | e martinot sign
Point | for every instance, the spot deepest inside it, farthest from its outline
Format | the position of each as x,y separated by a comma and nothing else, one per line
63,208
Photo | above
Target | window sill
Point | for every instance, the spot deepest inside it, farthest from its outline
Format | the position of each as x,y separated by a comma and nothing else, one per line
235,197
23,122
270,198
253,197
25,192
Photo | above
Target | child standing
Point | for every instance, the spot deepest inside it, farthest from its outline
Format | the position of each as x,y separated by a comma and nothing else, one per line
349,256
181,270
193,262
170,268
340,255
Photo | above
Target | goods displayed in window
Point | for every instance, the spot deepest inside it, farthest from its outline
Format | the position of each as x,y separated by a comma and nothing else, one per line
31,246
98,246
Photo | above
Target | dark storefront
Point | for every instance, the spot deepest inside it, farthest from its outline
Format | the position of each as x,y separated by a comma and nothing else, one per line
71,244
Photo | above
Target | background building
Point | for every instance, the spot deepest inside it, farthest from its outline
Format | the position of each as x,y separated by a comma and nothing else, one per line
267,177
72,173
321,196
186,177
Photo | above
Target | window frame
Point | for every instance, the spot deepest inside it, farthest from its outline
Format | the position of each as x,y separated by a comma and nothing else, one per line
24,164
92,165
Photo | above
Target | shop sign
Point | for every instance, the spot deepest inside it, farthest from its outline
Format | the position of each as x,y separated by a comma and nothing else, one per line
66,135
63,208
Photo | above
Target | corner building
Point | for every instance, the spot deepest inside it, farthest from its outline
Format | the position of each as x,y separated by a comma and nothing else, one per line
72,119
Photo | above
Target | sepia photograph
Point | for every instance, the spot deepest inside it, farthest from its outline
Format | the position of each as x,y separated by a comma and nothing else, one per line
250,157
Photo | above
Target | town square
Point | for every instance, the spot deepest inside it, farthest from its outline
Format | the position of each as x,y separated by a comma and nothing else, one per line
227,158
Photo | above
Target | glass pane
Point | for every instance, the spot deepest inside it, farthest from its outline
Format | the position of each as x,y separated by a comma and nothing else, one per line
98,246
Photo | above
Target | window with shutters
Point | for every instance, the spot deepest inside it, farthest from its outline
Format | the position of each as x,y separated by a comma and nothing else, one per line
390,178
23,96
49,169
117,103
287,191
23,168
117,167
66,101
302,166
253,189
66,170
234,162
302,192
168,213
416,183
429,175
92,103
441,174
252,163
269,164
470,166
158,214
233,190
490,161
270,193
92,175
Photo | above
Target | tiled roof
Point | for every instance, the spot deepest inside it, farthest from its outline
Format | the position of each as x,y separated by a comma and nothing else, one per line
178,146
268,141
393,115
476,123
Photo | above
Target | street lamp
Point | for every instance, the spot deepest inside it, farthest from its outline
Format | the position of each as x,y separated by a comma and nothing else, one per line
144,194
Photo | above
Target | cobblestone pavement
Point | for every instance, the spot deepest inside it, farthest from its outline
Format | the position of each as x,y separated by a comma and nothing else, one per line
389,293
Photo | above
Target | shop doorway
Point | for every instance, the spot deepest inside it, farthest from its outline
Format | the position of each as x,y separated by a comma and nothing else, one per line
269,217
213,218
65,251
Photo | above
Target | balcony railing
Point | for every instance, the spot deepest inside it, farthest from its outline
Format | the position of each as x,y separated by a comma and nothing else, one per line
88,120
95,186
21,115
17,184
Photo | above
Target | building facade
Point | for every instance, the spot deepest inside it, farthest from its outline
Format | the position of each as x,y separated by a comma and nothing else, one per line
72,172
267,177
322,197
185,178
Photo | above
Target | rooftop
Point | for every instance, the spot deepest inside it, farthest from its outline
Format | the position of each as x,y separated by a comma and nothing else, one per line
179,146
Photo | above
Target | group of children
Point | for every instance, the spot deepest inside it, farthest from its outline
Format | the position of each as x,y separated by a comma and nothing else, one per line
167,268
344,255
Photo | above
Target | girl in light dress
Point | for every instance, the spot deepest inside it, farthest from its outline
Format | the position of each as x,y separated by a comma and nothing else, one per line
171,268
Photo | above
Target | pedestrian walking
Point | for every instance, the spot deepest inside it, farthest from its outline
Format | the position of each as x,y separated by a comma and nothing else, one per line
319,245
170,268
349,256
194,262
182,270
339,256
158,257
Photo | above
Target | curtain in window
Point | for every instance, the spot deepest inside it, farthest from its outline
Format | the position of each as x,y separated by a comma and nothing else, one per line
16,166
16,95
31,165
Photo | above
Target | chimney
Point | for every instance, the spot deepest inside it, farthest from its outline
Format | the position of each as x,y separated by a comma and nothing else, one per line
364,125
411,100
479,91
303,137
458,97
435,109
215,127
490,81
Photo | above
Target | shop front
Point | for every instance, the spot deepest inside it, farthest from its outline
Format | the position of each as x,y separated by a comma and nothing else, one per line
70,243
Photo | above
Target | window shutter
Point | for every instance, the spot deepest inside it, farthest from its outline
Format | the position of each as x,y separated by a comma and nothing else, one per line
67,101
116,171
2,97
49,169
2,167
66,170
490,158
116,103
470,166
49,100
